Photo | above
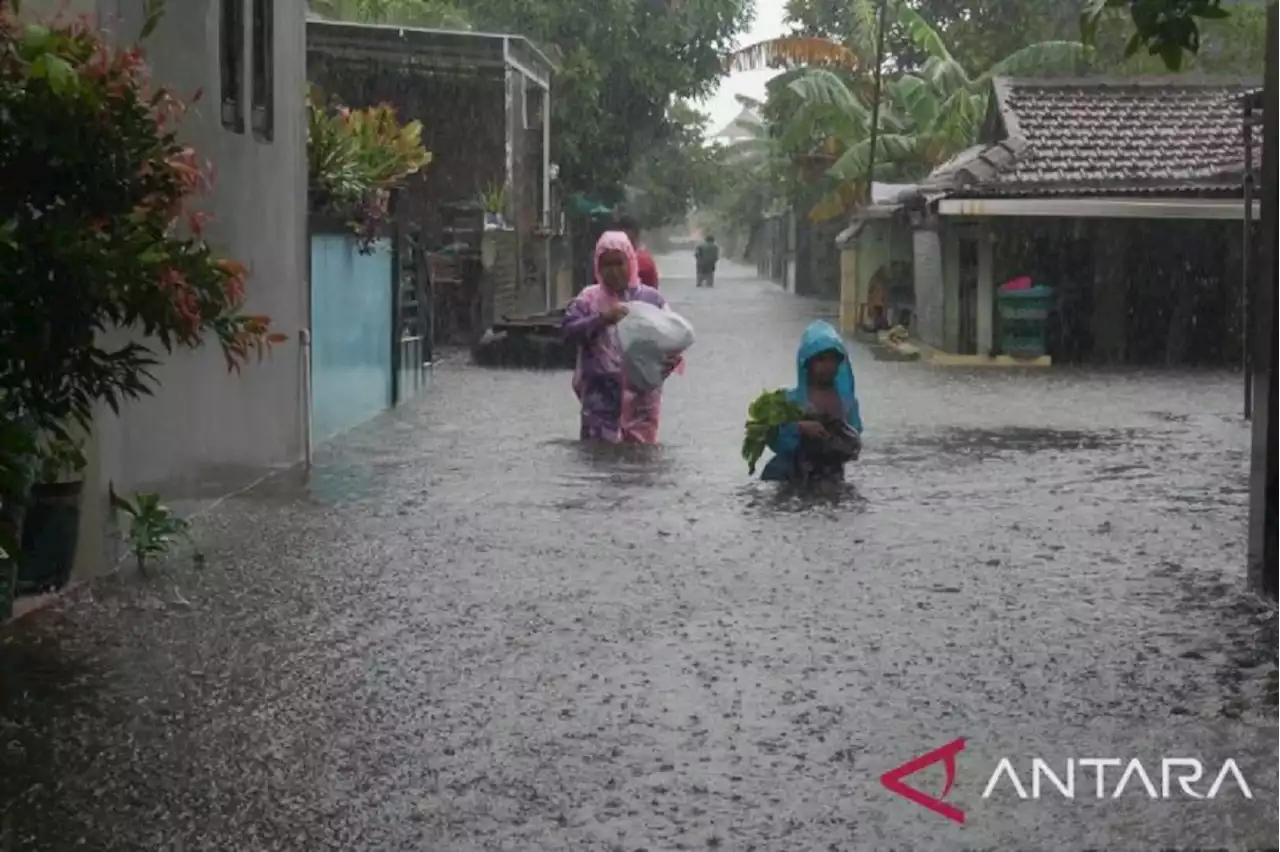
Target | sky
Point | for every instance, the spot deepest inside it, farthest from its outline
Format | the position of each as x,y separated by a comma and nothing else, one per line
721,106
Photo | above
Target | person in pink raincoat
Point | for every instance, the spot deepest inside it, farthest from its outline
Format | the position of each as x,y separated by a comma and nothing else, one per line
611,411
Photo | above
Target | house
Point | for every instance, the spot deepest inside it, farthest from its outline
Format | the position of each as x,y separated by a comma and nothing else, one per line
1124,195
744,127
206,433
876,273
484,101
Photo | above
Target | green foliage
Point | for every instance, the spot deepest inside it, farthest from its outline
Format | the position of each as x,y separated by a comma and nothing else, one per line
442,14
59,458
767,413
94,232
1233,45
153,527
981,31
678,173
355,158
1169,29
621,64
925,115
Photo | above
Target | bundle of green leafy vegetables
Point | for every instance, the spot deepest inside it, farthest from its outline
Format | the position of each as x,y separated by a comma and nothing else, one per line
770,411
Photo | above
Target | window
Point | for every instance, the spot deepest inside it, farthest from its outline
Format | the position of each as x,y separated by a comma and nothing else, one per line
231,45
263,65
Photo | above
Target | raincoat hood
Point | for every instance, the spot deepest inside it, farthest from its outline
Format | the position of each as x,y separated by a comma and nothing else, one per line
822,337
617,241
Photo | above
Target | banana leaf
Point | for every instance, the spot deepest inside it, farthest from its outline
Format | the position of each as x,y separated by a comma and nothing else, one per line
767,413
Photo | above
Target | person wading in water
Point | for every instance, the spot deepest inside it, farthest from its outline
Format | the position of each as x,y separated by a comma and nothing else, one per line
645,266
817,448
706,256
611,410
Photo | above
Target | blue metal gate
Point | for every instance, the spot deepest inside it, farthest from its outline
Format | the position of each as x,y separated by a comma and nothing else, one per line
351,327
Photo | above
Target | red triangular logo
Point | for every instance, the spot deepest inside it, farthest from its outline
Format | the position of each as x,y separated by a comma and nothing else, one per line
892,780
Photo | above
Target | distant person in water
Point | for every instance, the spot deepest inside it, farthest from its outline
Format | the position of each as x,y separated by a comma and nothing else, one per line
645,266
818,447
706,256
611,411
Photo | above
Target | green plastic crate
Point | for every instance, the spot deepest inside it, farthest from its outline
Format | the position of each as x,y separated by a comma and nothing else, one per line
1023,345
1032,304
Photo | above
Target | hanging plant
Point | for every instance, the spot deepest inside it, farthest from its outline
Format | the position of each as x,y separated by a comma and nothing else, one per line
355,158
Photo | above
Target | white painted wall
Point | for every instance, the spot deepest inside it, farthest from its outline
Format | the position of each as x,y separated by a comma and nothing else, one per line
206,432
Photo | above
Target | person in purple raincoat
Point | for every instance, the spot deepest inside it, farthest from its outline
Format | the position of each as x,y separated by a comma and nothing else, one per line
611,410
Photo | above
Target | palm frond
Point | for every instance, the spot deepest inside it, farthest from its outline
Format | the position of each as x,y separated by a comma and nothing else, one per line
792,52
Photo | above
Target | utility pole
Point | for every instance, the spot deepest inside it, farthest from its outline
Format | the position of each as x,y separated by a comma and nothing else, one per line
881,14
1265,467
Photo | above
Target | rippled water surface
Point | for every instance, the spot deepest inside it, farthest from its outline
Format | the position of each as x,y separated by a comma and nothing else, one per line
470,632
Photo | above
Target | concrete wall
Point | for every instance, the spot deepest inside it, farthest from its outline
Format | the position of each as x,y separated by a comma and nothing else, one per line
207,432
926,249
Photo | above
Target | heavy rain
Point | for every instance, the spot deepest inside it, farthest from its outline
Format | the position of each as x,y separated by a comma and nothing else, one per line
402,579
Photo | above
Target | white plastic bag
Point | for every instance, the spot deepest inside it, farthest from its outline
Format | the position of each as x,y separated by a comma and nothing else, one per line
648,336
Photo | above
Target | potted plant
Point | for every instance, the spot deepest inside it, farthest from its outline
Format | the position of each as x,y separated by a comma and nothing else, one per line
493,201
17,449
51,522
355,157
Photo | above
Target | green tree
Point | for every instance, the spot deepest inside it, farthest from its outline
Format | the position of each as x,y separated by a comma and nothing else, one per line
753,183
982,32
681,171
926,115
1169,29
409,13
1231,45
622,63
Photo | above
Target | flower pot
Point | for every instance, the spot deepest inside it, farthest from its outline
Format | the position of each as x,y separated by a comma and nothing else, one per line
50,532
488,249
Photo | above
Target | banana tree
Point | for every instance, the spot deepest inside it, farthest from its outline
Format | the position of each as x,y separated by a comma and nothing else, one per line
925,116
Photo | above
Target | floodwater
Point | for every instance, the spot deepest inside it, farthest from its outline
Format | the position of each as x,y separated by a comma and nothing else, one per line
469,632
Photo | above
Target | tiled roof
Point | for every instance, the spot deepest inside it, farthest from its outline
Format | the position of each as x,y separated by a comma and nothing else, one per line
1153,136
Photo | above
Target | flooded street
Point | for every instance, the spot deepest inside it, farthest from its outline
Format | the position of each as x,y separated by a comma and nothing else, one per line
470,632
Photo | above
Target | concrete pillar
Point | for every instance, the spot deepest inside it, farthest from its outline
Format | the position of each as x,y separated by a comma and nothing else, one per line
849,295
1110,295
950,288
1263,477
926,250
986,291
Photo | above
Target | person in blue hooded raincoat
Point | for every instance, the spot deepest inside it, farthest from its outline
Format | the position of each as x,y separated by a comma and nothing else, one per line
825,388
